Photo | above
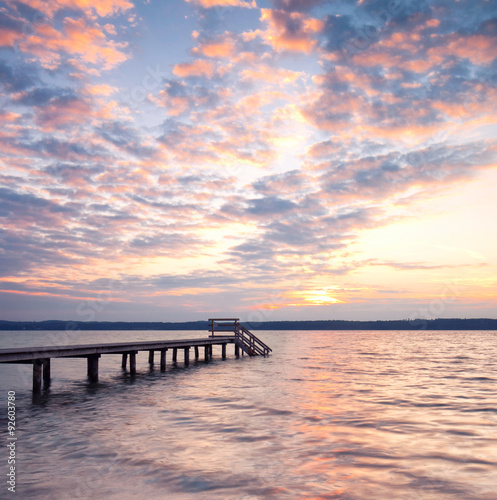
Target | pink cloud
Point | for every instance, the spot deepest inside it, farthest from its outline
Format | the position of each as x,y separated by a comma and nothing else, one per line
9,37
8,116
199,67
291,31
175,104
91,44
59,113
79,38
102,7
218,48
478,49
271,75
110,28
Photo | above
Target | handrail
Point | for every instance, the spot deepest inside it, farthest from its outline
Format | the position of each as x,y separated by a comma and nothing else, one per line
250,346
215,326
248,332
224,319
247,340
252,343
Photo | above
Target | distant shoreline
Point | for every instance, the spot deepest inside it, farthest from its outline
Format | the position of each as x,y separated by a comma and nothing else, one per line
414,324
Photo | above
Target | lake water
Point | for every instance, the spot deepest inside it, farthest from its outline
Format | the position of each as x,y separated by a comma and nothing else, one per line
329,415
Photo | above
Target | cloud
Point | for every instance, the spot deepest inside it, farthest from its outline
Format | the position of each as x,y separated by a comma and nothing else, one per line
383,82
18,78
125,138
103,8
293,181
70,150
337,31
11,29
271,75
31,29
41,96
291,31
479,49
22,211
421,265
75,175
212,128
224,3
270,206
63,111
178,97
200,67
296,5
219,47
165,244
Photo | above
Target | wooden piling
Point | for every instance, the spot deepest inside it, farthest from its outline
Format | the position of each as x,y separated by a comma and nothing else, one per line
124,361
175,354
187,356
132,362
46,372
237,350
37,368
151,357
196,352
93,367
223,351
163,360
206,353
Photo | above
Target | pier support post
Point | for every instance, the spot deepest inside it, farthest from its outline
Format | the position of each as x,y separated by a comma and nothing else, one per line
163,360
132,362
175,354
196,352
210,351
151,358
125,360
224,351
46,372
187,356
206,353
93,367
237,350
37,366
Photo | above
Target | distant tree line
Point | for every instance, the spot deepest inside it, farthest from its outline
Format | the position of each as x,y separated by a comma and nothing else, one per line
415,324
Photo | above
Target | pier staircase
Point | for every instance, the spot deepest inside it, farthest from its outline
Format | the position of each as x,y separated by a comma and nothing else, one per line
244,338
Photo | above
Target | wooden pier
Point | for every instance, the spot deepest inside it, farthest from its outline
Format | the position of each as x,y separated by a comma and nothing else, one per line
40,357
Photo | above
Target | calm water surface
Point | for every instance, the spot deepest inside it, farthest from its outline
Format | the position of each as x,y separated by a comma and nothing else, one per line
329,415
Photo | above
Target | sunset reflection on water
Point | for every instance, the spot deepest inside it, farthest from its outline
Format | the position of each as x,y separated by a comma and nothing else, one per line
345,415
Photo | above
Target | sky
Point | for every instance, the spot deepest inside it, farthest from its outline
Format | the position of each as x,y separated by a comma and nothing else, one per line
262,159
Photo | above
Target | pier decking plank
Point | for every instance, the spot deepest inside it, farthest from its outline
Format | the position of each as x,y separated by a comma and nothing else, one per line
31,353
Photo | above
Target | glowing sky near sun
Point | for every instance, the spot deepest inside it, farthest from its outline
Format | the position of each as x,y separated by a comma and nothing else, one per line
276,159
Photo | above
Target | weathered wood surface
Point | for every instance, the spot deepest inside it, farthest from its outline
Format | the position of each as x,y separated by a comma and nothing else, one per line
93,367
163,360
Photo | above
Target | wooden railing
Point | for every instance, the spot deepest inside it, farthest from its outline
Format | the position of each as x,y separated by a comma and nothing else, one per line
223,325
251,344
244,338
